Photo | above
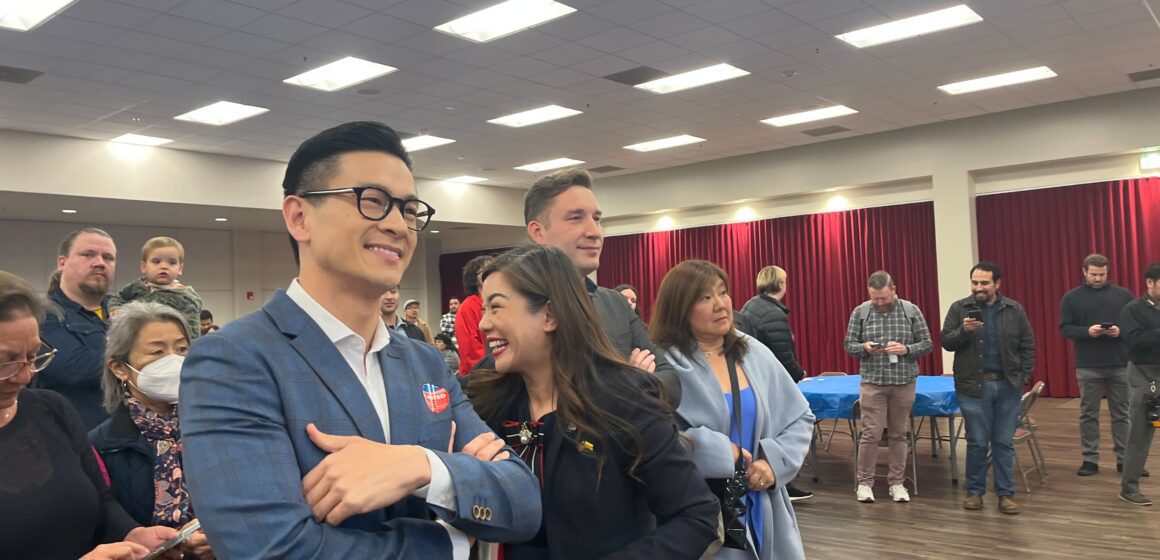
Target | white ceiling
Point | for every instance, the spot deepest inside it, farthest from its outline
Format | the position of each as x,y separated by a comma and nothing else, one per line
118,66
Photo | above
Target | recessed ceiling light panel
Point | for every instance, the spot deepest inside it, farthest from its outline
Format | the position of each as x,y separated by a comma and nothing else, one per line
24,15
465,179
222,113
535,116
141,140
504,19
999,80
549,164
694,78
670,142
940,20
810,116
416,143
340,74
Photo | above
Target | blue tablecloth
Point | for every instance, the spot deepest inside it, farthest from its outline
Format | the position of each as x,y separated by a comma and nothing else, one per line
834,396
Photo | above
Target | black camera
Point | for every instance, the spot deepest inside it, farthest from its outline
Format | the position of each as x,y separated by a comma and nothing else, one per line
1152,409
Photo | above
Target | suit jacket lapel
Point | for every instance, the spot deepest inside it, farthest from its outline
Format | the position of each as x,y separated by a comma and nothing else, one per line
404,391
312,345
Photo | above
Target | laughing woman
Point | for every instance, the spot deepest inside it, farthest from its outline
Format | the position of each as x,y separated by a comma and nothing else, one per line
693,321
617,482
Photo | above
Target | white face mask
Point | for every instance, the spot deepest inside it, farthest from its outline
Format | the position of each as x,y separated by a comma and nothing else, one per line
161,379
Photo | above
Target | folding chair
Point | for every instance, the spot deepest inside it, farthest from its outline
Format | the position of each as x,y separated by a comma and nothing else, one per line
856,413
834,426
1025,433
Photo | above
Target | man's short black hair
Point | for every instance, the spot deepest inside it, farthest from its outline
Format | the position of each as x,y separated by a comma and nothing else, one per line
988,266
1153,272
316,160
206,315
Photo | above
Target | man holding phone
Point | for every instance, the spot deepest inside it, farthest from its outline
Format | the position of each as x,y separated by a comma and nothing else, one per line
888,334
994,356
1088,315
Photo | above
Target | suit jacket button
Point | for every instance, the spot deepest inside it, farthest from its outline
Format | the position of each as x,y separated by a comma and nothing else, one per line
487,514
476,512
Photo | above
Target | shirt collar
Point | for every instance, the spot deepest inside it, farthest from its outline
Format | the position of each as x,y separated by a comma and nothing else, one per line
334,329
590,286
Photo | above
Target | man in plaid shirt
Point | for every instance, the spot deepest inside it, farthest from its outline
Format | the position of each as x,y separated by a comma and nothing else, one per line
447,321
888,334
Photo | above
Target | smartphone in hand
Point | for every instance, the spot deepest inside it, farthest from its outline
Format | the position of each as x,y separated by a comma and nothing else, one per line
180,538
1107,326
975,314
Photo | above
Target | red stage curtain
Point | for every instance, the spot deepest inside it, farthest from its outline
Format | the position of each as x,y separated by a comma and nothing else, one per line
451,273
1039,239
827,258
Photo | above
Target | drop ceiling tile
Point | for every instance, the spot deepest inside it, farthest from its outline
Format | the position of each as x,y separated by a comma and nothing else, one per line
817,10
341,44
429,13
850,21
443,68
111,13
790,37
482,56
150,44
720,11
239,82
282,28
1115,17
182,29
248,44
990,9
382,27
561,77
568,54
156,83
265,5
1046,31
329,13
1082,7
89,71
669,24
738,50
604,66
445,89
615,40
87,31
218,12
652,53
629,12
704,38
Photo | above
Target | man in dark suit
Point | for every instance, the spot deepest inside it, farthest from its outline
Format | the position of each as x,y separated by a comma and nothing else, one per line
561,210
309,429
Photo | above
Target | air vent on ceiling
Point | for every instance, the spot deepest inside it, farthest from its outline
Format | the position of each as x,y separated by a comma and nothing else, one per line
1144,75
825,130
16,75
638,75
604,169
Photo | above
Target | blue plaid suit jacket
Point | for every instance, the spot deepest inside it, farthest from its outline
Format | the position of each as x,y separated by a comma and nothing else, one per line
247,393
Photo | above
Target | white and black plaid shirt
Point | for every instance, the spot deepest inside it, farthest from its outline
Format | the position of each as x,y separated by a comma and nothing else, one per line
447,324
903,324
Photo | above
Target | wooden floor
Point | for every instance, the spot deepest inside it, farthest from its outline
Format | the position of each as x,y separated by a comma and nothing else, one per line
1070,517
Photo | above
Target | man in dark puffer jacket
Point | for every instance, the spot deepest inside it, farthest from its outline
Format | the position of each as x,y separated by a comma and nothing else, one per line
767,319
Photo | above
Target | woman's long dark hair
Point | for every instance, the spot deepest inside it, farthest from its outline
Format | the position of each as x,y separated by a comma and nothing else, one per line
680,290
592,380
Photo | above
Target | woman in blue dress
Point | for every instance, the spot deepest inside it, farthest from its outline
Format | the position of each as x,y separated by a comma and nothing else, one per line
693,322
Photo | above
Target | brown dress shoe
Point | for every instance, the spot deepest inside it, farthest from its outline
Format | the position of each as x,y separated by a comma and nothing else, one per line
973,502
1007,505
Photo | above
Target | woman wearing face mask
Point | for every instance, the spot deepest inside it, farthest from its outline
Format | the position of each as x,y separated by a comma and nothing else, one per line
617,482
141,441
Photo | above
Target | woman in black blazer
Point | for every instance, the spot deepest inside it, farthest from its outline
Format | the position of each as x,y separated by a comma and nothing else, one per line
617,481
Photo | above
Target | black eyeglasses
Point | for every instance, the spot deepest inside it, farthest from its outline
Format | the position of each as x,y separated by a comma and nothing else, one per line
375,204
36,364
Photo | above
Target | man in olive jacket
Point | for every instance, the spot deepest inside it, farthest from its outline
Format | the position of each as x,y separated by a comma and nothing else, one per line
994,355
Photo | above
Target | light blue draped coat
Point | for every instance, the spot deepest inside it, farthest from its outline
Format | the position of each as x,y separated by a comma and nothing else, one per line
784,427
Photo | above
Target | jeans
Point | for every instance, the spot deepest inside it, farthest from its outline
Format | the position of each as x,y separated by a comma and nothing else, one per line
991,419
1092,382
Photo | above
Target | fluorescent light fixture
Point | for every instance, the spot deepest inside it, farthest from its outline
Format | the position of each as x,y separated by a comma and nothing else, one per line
434,231
504,19
340,74
670,142
222,113
465,179
221,219
23,15
999,80
535,116
810,116
68,211
141,140
550,164
940,20
1150,161
416,143
694,78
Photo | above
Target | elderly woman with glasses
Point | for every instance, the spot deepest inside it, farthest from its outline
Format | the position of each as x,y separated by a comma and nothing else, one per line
54,500
141,441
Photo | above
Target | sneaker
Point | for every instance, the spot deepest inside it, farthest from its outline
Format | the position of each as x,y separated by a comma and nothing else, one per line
1135,498
797,494
973,502
1007,505
1120,469
899,494
1089,468
865,494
